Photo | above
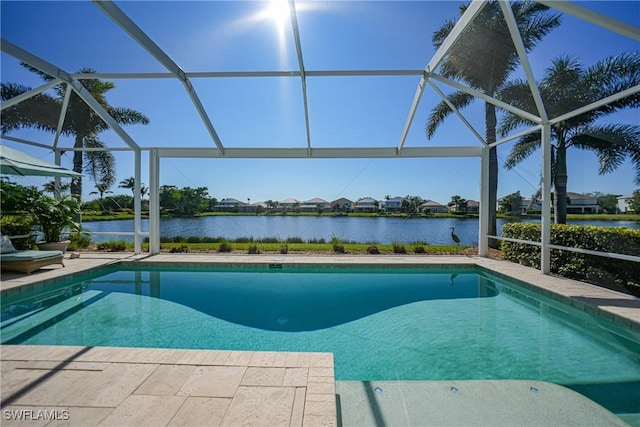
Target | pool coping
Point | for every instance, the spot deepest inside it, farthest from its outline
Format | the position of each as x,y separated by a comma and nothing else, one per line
618,307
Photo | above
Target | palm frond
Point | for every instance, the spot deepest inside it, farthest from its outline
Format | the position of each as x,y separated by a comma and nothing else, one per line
533,22
518,94
100,166
39,112
634,155
612,143
613,75
127,116
525,146
442,110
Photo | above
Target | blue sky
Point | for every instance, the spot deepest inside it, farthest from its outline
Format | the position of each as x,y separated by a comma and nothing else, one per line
268,112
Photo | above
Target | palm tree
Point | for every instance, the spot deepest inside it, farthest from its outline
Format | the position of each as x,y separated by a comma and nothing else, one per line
483,57
102,189
50,187
42,112
130,183
566,86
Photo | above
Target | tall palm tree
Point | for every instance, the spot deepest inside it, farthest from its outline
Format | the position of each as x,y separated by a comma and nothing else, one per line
483,57
42,112
102,188
566,86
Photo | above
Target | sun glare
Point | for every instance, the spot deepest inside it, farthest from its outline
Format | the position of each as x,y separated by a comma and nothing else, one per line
278,12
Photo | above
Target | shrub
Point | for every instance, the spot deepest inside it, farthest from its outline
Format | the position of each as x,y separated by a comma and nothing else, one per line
243,240
284,249
79,241
193,239
179,249
18,225
253,250
373,250
294,240
318,241
399,249
112,246
337,248
225,247
595,269
269,240
419,249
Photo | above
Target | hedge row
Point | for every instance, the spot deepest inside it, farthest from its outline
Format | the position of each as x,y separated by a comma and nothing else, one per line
603,271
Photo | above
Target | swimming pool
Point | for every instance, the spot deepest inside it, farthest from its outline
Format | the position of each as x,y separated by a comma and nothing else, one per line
381,324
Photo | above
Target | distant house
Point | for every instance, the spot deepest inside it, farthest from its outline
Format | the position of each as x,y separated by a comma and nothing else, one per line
394,204
582,204
473,207
531,205
431,206
526,205
342,205
314,205
253,207
289,204
366,204
229,205
624,203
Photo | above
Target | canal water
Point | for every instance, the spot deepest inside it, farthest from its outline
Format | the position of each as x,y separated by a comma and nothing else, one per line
381,230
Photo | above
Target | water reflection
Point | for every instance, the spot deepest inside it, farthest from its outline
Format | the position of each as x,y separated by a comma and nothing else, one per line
434,231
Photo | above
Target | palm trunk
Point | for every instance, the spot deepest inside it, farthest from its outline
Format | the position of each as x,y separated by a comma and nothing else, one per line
76,183
560,200
490,129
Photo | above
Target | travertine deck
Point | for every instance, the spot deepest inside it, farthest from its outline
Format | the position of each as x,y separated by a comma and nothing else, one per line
105,386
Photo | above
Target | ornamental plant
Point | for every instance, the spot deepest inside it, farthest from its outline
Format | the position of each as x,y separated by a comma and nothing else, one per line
55,217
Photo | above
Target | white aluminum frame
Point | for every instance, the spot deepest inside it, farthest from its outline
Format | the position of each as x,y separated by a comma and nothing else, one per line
427,76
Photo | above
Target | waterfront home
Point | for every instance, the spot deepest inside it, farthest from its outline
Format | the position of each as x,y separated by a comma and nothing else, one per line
253,207
430,206
624,203
289,204
393,204
531,205
229,205
342,205
582,204
473,207
366,204
315,205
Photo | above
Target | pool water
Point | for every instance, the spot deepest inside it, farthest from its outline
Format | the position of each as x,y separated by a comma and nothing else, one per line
402,324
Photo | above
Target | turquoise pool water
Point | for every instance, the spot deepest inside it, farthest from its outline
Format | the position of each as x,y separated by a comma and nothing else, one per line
401,324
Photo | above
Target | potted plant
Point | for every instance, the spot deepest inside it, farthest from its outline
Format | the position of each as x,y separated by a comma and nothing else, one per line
56,218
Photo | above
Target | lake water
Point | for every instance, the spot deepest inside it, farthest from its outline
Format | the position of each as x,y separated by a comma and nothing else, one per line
381,230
